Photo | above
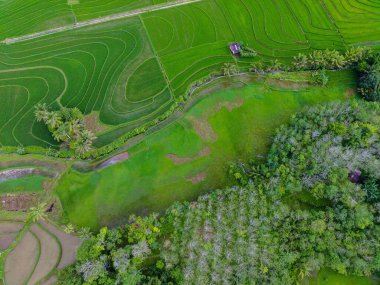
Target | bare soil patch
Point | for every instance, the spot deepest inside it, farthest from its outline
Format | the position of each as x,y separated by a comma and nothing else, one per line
50,281
6,240
350,92
230,106
21,261
20,202
69,244
113,160
204,129
48,164
197,178
288,84
92,123
202,125
10,227
49,257
182,160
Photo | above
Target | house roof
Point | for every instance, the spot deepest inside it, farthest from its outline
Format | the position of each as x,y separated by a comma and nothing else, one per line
235,48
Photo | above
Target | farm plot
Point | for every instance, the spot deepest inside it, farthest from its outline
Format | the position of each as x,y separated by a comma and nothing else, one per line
188,156
192,40
103,68
40,250
19,17
357,20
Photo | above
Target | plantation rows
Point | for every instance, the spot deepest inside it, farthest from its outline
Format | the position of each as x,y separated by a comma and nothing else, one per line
216,247
130,71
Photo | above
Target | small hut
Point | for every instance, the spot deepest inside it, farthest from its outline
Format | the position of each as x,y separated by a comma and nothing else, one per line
235,48
355,176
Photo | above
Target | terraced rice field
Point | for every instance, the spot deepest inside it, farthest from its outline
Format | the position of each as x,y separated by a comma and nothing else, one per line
18,17
188,156
101,68
357,21
38,250
130,71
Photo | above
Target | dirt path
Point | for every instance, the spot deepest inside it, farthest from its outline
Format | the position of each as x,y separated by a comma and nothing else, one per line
98,21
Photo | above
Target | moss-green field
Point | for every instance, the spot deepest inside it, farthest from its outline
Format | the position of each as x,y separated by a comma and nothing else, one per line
189,156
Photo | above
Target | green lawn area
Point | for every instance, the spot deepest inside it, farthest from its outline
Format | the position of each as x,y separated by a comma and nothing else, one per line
329,277
188,157
22,185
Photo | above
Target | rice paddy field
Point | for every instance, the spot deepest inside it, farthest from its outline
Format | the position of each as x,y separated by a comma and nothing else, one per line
130,71
32,253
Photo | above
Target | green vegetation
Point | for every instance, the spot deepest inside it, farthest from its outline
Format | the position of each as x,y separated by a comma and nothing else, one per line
161,87
90,69
369,78
189,156
67,126
303,211
21,185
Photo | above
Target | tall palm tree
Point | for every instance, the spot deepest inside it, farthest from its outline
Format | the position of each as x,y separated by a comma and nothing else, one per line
84,142
41,112
229,69
37,213
61,134
54,120
76,114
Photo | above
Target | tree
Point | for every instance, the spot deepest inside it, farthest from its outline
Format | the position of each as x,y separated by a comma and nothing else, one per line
54,120
320,77
84,142
229,69
37,213
41,112
369,81
301,62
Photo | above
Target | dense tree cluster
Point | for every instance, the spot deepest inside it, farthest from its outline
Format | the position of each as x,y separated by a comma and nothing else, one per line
369,78
66,126
330,59
117,256
315,203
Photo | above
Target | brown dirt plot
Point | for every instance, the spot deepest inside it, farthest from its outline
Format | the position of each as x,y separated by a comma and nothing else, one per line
69,244
24,257
49,257
182,160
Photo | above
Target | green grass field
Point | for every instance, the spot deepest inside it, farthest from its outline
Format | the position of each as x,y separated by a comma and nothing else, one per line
188,156
22,185
329,277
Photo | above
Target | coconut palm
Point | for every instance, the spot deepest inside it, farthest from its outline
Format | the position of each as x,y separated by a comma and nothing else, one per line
84,142
229,69
61,134
76,114
41,112
37,213
54,120
300,61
